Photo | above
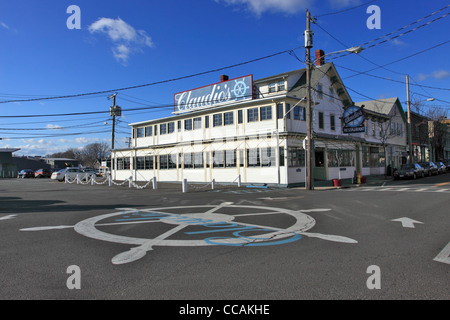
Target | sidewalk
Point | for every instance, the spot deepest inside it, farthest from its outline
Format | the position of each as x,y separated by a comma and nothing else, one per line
376,180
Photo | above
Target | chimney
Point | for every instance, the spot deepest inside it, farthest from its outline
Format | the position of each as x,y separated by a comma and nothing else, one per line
320,57
223,78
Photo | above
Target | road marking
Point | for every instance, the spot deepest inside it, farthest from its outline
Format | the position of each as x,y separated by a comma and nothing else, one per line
441,184
11,216
444,255
207,219
407,222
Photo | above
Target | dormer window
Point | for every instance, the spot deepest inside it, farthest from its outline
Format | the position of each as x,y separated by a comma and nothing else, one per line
281,85
272,87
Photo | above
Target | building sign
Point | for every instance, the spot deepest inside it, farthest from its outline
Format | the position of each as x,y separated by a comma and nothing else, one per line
353,120
238,89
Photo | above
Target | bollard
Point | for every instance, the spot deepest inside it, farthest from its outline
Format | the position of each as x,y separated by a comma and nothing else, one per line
78,178
184,186
130,182
239,181
213,184
65,178
154,183
109,181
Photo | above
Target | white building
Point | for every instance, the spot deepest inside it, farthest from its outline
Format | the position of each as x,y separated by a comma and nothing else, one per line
247,129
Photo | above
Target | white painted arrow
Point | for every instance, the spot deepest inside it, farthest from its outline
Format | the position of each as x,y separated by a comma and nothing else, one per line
407,222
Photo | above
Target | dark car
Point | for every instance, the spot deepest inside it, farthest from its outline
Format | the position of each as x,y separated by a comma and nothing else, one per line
406,171
43,173
441,167
430,168
26,173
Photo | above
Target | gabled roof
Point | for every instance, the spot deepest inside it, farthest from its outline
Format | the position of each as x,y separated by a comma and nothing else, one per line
383,106
317,73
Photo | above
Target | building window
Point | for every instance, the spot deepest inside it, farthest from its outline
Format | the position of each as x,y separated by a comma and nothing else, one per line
149,163
297,113
140,132
332,122
227,118
217,120
280,111
198,160
140,163
163,128
268,157
188,161
240,116
230,158
331,95
179,125
170,127
281,85
252,115
296,157
206,121
155,130
266,113
197,123
319,91
148,131
253,159
218,159
321,120
188,124
287,111
272,87
172,161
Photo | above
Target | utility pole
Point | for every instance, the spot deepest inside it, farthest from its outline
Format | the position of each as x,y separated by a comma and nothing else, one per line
408,103
113,112
309,142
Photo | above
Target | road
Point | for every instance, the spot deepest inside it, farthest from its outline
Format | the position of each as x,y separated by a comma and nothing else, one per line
69,241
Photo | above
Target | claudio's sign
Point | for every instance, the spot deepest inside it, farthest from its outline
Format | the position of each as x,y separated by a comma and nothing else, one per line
233,90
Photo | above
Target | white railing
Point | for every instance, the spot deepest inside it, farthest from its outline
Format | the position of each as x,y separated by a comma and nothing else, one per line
92,180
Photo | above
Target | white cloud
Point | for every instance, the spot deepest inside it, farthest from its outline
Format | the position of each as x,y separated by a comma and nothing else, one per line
53,127
260,6
4,25
437,75
126,39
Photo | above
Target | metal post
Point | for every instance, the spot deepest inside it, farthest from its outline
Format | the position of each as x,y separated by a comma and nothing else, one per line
411,152
308,46
184,186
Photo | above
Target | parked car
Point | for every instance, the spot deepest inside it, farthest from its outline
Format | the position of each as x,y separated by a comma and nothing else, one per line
26,173
42,173
430,168
406,171
447,164
90,170
442,168
71,173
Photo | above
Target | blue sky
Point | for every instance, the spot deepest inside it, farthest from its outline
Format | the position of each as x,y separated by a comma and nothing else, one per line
130,43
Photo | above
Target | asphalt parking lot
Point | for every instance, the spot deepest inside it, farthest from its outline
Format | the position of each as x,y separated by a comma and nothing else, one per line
227,243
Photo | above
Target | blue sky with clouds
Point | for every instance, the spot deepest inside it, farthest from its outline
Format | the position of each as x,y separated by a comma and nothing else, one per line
130,43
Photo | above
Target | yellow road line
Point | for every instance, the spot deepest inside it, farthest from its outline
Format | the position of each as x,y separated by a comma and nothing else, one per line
441,184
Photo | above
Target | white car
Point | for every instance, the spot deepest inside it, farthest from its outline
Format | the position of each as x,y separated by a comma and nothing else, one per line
71,174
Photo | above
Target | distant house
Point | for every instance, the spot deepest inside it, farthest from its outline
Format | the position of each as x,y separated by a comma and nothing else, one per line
386,135
8,168
61,163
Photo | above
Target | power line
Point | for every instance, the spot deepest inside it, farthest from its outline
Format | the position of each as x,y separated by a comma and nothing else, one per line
153,83
345,10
